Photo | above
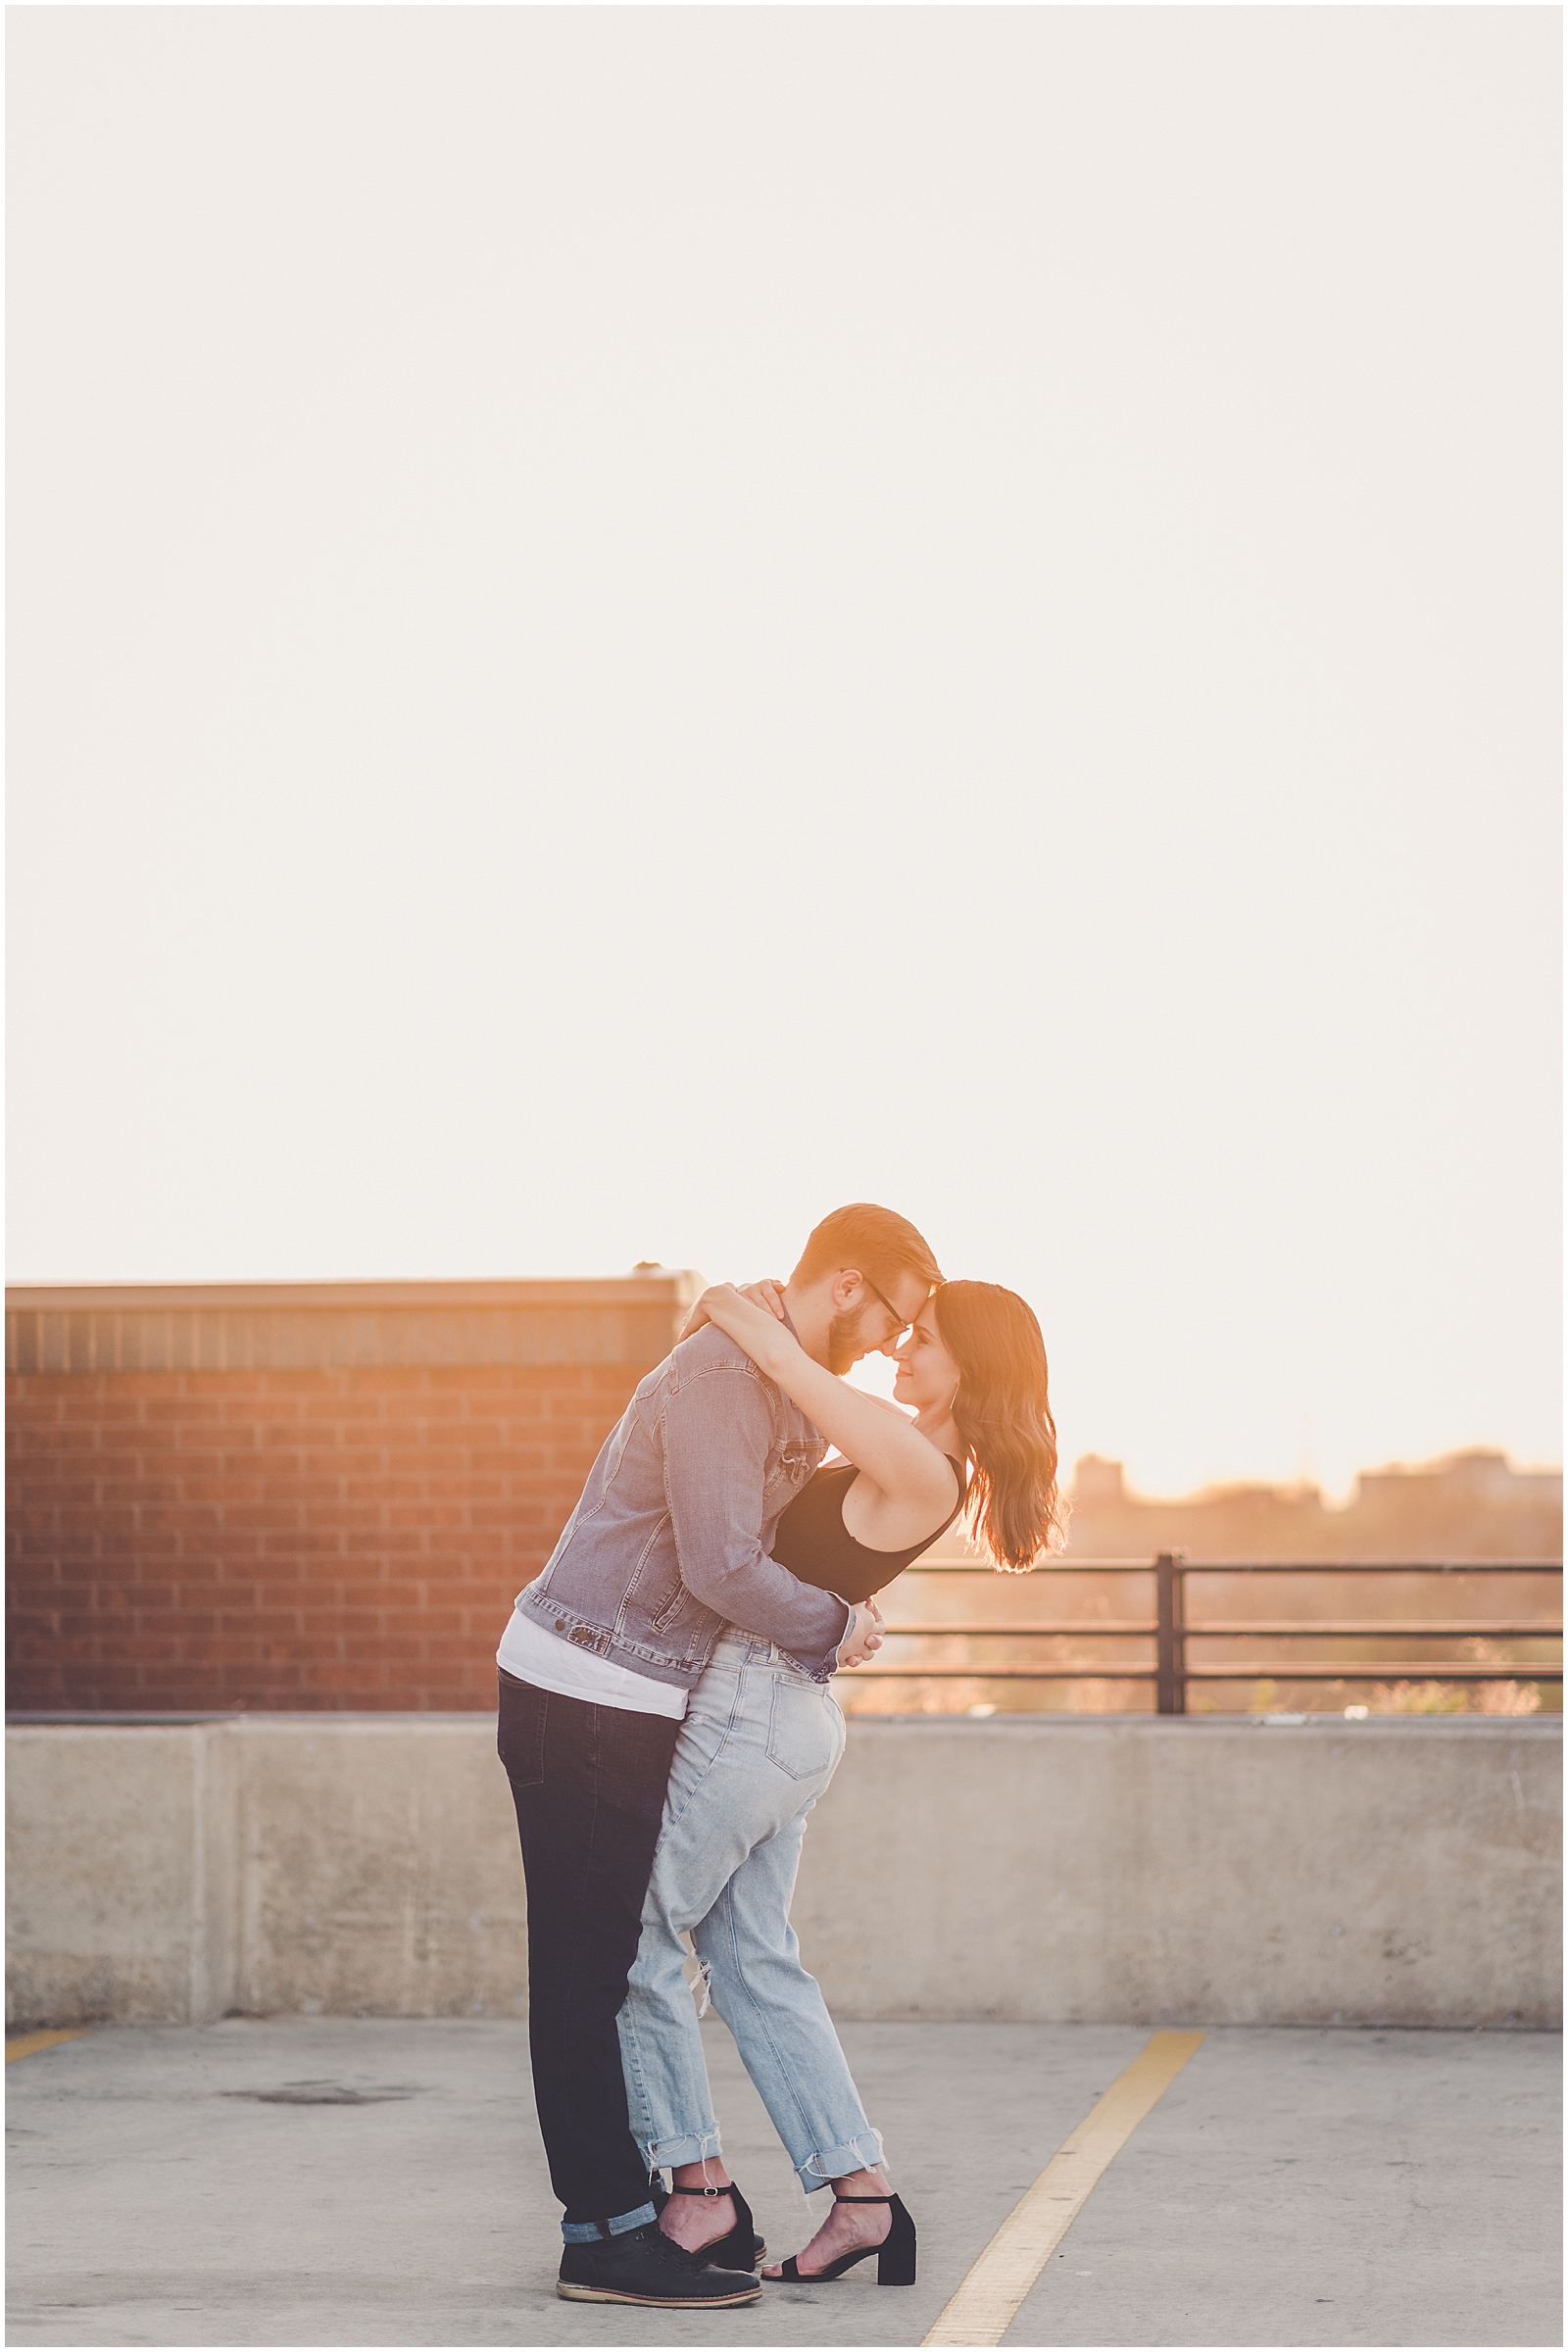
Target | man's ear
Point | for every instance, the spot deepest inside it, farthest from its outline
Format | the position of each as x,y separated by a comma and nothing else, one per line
849,1288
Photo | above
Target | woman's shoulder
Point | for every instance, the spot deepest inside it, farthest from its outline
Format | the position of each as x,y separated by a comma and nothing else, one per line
923,1481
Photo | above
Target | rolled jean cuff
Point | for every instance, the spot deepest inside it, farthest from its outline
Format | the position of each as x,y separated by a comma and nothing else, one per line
828,2163
589,2233
692,2147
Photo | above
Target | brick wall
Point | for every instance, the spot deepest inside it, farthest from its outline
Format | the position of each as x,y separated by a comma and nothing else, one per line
311,1497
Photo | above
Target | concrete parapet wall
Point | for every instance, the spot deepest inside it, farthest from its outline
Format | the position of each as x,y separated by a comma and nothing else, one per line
1044,1869
1199,1870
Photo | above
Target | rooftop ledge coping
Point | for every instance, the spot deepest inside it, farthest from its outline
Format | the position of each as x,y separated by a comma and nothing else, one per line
666,1285
469,1719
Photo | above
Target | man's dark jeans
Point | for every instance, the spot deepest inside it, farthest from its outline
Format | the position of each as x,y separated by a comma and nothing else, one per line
588,1783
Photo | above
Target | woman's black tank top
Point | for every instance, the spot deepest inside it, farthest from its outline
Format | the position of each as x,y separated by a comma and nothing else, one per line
813,1543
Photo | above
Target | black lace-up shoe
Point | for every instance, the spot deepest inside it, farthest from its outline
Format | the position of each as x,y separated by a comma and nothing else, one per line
644,2266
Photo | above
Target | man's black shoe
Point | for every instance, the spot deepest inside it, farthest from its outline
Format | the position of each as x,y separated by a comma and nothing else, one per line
644,2266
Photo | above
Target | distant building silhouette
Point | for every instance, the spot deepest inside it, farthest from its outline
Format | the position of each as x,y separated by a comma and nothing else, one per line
1470,1506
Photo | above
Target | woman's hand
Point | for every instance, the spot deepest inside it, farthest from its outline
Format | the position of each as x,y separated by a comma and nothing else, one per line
767,1294
864,1637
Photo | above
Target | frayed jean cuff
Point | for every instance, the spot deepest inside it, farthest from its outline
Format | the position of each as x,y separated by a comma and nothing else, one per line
692,2147
589,2233
828,2163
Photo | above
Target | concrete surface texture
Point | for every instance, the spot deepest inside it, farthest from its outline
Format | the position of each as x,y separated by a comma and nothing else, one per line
1039,1868
1292,2186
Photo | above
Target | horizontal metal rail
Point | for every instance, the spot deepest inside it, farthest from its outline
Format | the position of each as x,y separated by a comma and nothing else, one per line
999,1674
1546,1629
1174,1667
1425,1670
1067,1625
1444,1627
1062,1566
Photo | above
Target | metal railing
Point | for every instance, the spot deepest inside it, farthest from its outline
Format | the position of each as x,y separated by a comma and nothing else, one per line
1170,1630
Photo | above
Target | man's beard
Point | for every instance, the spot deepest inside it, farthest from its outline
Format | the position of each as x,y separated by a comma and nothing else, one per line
844,1346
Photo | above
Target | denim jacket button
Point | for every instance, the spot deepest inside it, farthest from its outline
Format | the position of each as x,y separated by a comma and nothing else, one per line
560,1625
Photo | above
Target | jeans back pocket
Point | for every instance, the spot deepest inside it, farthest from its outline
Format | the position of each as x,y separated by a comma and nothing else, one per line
521,1731
805,1729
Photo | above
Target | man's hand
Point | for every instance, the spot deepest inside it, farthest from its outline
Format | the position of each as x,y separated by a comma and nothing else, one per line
864,1637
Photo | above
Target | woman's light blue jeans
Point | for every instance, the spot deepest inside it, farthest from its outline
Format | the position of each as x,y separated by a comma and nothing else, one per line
759,1745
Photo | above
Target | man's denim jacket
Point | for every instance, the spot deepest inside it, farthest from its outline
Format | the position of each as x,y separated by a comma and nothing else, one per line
670,1544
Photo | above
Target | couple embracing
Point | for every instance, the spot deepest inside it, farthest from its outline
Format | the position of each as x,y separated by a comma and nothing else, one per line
666,1723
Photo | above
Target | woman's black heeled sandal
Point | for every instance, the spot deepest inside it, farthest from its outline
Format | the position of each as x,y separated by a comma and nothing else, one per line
740,2248
895,2266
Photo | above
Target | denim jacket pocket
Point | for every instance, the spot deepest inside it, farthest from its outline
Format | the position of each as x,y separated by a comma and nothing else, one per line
789,1465
676,1611
805,1731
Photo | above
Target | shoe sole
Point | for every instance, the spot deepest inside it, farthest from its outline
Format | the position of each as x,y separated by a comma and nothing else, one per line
608,2294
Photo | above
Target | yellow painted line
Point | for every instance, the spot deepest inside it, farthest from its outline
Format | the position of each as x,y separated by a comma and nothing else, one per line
986,2303
26,2043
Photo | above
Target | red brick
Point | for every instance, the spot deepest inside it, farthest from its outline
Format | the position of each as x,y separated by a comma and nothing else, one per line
342,1675
414,1452
401,1649
321,1540
181,1518
36,1395
149,1646
345,1409
350,1623
261,1624
108,1625
425,1514
427,1621
390,1592
443,1676
507,1461
100,1517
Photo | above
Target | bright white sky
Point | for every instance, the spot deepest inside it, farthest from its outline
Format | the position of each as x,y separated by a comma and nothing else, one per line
630,624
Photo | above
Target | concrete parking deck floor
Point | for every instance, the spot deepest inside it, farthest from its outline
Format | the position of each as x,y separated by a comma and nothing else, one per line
1293,2186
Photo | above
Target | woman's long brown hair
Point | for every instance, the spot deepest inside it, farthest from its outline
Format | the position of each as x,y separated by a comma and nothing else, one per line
1003,1412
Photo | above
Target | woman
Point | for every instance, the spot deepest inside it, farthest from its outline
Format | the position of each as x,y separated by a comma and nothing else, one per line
760,1741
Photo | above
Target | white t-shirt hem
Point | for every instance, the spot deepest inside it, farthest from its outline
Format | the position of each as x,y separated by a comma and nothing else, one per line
534,1656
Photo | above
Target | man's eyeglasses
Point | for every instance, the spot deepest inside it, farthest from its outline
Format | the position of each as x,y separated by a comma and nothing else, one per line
903,1322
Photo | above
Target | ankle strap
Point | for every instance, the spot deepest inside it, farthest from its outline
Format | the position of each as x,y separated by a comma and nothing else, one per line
718,2192
838,2200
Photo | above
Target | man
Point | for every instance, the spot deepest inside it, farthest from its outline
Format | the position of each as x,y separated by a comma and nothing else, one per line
668,1545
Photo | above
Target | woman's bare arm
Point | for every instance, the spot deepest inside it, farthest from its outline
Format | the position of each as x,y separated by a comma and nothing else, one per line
885,1448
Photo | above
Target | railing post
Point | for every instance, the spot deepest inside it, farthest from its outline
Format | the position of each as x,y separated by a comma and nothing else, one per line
1169,1659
